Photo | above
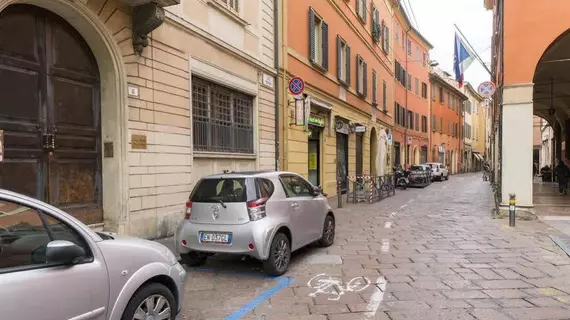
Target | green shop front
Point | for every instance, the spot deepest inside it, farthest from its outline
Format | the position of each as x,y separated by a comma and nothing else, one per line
316,125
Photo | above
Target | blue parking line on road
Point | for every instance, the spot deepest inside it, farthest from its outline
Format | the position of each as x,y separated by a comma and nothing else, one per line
283,282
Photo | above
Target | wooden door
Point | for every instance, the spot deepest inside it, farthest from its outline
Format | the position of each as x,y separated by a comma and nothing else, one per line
49,111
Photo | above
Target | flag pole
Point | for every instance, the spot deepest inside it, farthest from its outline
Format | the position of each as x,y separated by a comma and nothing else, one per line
473,49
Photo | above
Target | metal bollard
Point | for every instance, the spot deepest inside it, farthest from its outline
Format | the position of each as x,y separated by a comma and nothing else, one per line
339,192
512,209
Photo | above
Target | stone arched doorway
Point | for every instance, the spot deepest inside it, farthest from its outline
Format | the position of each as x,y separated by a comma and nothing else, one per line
80,58
416,155
373,152
50,112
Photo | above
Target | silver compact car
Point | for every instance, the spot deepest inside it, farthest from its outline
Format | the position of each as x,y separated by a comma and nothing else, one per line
53,267
264,215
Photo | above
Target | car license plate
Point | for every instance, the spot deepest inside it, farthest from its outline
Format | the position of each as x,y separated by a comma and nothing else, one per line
215,237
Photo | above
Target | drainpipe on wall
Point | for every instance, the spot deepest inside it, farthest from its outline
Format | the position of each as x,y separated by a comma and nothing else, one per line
430,118
500,102
276,82
406,122
462,113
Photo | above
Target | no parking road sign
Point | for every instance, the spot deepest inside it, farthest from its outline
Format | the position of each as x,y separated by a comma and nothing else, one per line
296,86
486,89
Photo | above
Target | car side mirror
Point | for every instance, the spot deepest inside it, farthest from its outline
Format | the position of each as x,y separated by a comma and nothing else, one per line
62,251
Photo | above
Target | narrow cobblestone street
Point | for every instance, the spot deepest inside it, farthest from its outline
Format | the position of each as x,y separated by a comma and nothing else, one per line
432,253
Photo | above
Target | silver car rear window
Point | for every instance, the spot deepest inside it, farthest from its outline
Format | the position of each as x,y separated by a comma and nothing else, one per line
216,190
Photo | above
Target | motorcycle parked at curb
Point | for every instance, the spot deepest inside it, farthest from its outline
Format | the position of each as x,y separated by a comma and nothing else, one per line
402,181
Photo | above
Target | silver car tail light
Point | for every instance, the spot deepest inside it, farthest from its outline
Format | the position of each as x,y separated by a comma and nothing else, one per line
256,209
188,210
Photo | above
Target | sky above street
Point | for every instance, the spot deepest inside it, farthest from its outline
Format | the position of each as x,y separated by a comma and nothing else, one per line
435,19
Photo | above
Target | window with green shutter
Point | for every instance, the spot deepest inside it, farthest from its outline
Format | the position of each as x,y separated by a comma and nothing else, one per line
361,76
342,61
318,40
374,89
376,32
417,122
384,97
361,10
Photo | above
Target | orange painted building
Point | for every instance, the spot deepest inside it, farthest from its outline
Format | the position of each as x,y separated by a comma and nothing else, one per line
530,50
447,130
411,104
343,52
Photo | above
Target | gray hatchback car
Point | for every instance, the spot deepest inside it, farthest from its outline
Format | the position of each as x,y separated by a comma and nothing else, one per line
264,215
53,267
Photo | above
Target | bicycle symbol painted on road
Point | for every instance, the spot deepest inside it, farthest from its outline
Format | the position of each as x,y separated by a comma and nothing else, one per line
335,287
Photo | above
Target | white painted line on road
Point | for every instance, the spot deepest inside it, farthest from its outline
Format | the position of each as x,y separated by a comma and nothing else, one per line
403,206
388,225
376,299
385,245
393,214
322,259
444,187
411,200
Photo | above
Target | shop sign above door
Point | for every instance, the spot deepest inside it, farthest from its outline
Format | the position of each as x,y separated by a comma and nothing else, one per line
342,127
359,129
317,120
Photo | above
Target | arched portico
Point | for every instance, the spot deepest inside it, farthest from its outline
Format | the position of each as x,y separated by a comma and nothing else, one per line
112,96
548,96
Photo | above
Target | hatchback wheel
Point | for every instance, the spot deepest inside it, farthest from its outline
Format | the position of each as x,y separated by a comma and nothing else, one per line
327,238
279,256
152,301
194,259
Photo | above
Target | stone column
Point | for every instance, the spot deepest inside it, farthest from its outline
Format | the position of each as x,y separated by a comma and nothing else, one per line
517,143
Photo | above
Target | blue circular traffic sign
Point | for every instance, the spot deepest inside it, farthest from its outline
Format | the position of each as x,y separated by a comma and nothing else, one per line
486,89
296,85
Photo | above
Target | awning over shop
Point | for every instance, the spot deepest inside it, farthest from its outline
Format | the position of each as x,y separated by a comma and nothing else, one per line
478,156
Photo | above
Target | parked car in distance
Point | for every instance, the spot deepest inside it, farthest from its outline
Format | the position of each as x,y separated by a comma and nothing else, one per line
264,215
439,171
429,172
419,176
53,267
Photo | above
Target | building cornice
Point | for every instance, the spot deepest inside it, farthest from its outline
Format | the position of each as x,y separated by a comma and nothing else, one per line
435,77
476,94
195,30
399,10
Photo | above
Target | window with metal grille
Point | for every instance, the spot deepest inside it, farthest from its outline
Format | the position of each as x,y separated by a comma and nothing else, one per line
222,118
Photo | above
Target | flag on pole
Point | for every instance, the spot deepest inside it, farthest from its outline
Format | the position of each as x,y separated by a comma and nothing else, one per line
463,58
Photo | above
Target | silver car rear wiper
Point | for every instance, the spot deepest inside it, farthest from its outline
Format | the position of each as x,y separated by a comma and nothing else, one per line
222,203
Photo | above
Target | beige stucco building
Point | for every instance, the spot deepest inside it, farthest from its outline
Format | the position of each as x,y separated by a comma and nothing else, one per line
133,124
478,120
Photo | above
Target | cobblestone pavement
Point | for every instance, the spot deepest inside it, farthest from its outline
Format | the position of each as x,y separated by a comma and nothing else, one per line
430,253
